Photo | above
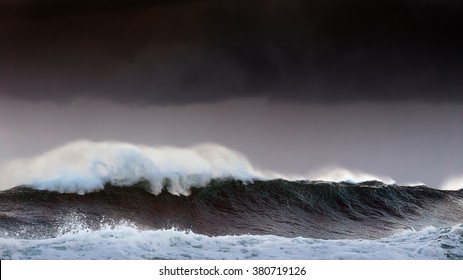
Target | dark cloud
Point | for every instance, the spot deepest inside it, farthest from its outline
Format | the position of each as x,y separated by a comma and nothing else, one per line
180,52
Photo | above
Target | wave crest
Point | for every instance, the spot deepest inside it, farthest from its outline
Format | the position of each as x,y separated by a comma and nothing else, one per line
453,183
85,166
339,174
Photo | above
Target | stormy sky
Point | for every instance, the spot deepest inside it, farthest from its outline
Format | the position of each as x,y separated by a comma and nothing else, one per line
294,85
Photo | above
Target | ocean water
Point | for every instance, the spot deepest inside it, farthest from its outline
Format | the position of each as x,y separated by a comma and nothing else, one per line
110,200
232,219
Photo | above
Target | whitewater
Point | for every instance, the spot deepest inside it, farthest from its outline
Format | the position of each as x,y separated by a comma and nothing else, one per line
85,166
128,242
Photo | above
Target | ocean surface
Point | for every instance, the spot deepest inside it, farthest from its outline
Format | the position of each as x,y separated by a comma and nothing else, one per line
234,219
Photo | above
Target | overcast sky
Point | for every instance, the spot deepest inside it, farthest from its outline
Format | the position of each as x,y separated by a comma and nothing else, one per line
294,85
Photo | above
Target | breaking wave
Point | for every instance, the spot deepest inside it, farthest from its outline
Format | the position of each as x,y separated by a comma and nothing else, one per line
85,166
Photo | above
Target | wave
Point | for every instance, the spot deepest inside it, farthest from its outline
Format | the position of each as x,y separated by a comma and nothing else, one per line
128,242
116,200
277,207
85,166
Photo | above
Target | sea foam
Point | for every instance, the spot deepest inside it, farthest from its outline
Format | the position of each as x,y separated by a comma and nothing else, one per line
128,242
453,183
85,166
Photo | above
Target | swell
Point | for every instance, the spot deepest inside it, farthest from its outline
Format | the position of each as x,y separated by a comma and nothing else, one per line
324,210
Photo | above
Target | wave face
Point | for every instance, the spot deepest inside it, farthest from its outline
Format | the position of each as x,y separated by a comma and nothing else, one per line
309,209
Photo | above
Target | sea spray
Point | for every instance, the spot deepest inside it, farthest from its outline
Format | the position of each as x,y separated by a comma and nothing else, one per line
86,166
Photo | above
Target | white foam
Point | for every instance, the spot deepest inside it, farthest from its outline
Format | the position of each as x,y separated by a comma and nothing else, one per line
453,183
339,174
85,166
128,242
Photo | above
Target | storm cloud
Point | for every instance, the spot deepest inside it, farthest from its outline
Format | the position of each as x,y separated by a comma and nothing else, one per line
183,52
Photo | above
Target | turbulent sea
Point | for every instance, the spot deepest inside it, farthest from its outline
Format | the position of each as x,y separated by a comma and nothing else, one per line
234,219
